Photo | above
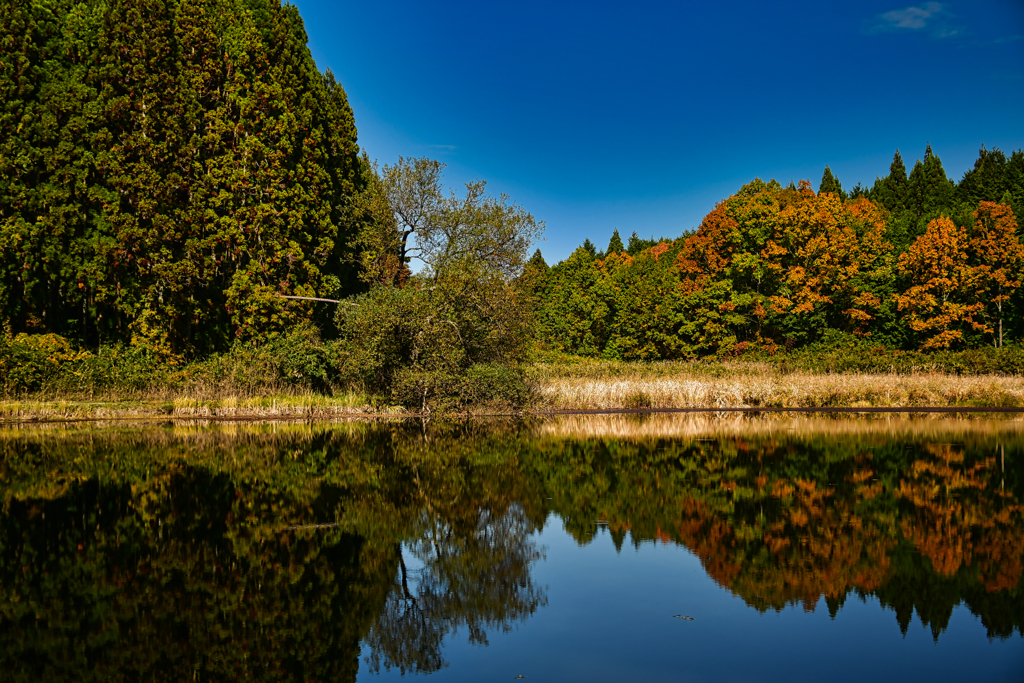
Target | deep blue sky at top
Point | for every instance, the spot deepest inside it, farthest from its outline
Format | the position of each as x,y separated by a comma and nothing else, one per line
642,115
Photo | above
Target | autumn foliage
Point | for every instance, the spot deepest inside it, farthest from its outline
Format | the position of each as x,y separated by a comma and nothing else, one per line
775,267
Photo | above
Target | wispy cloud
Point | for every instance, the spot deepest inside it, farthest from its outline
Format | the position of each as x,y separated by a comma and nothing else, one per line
931,17
442,148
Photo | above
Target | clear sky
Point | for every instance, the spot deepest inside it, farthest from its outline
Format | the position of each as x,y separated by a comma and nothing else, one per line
642,115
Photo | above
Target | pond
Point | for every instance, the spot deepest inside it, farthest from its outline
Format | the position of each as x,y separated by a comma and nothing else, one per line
655,548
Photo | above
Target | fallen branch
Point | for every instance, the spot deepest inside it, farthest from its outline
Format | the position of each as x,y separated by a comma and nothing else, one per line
310,298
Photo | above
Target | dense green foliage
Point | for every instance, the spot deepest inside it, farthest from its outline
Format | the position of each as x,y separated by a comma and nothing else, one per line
167,169
913,263
48,365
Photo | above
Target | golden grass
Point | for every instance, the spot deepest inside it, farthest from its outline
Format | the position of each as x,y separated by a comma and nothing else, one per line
189,407
575,385
755,387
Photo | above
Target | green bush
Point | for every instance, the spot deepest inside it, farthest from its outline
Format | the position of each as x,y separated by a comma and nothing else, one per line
30,361
482,384
437,345
378,335
51,365
838,352
497,385
296,359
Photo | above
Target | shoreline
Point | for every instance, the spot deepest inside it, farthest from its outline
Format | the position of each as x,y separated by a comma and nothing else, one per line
314,415
572,390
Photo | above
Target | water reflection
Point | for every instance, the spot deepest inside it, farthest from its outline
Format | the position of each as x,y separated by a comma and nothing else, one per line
289,551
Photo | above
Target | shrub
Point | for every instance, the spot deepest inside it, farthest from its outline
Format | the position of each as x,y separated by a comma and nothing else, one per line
499,385
436,345
297,358
120,368
28,361
838,352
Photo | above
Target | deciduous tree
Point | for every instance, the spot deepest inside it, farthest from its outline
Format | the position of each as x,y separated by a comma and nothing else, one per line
940,301
998,257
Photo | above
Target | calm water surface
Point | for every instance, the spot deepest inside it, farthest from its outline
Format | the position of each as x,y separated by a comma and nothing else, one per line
560,550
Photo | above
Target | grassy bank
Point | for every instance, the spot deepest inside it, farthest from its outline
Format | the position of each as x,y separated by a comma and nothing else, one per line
292,406
602,385
298,376
612,385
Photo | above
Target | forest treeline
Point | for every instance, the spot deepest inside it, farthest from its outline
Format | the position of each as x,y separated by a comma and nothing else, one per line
914,262
183,203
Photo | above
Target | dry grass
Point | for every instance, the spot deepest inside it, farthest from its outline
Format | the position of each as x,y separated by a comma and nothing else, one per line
191,406
682,385
576,385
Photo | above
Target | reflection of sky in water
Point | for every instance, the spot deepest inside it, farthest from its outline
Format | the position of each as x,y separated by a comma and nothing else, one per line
609,618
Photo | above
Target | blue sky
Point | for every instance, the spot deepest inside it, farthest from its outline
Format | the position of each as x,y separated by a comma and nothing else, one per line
642,115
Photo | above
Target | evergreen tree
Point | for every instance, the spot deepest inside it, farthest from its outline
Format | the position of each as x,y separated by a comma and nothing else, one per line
537,262
929,191
574,316
1014,181
831,184
637,244
986,182
891,191
533,279
589,247
615,245
168,171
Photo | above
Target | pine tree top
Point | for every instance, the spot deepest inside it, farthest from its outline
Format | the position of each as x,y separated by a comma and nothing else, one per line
615,245
830,183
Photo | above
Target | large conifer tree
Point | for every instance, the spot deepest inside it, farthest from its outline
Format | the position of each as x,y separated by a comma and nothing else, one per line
929,191
615,245
891,191
830,183
986,182
168,169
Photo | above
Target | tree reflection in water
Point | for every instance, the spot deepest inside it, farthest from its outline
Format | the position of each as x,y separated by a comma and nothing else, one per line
478,578
282,552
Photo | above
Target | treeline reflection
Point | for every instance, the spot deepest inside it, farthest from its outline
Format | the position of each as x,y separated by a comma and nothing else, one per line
287,552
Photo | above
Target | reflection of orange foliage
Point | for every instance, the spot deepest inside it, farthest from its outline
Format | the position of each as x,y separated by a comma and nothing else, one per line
709,538
815,549
956,522
777,542
1000,548
860,476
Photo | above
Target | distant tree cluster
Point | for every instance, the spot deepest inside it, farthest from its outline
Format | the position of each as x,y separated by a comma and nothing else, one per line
168,169
915,261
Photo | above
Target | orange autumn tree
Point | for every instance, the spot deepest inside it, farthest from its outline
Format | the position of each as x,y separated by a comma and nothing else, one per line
780,264
941,302
998,256
836,252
